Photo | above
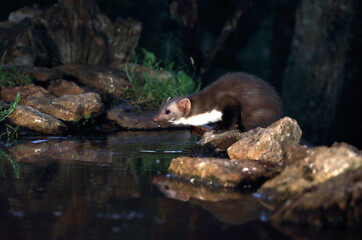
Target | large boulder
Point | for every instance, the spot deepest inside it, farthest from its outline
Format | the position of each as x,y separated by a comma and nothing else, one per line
313,168
335,202
267,144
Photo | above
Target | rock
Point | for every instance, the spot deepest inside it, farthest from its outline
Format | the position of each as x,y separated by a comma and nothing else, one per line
215,144
47,105
67,107
317,166
85,104
8,94
267,144
222,172
70,31
336,202
133,120
62,87
106,79
33,119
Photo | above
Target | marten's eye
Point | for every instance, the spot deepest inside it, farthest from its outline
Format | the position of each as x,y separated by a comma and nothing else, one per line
167,111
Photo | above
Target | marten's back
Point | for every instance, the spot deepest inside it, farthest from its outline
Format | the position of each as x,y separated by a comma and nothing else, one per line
260,103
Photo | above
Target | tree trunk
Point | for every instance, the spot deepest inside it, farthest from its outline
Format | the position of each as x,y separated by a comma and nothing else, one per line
84,35
316,69
186,14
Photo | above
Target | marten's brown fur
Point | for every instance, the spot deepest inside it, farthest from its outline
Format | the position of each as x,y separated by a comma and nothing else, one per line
235,98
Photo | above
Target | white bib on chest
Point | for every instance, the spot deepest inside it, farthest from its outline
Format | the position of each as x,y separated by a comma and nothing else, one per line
200,119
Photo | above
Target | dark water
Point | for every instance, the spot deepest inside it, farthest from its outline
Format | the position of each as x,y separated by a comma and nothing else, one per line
114,187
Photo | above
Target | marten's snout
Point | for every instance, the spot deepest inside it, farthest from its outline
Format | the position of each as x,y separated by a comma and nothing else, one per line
155,119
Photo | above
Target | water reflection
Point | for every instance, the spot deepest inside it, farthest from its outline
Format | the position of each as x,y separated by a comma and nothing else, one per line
226,205
113,187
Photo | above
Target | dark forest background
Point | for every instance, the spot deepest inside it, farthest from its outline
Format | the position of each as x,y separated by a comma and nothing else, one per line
308,50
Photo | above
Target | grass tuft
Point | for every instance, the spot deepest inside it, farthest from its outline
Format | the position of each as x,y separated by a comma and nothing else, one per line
13,78
7,130
151,91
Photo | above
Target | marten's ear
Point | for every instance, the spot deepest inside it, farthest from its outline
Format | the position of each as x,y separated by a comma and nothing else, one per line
168,99
184,104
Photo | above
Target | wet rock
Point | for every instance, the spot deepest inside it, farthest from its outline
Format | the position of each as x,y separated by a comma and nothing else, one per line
336,202
84,104
215,144
133,120
47,105
67,107
62,87
267,143
33,119
106,79
222,172
317,166
8,94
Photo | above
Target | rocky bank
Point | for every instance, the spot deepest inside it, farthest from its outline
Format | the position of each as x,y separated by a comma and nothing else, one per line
319,186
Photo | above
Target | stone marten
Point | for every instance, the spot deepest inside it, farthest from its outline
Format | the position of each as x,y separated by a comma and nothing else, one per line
235,98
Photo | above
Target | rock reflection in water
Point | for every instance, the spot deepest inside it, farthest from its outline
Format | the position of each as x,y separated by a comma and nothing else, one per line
227,205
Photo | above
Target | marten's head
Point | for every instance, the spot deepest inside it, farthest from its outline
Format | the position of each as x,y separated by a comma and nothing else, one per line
173,109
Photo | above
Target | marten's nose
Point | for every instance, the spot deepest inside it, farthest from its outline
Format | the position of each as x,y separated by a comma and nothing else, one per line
155,119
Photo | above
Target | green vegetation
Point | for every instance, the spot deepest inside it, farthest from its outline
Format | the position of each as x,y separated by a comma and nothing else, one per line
82,120
10,78
9,131
159,81
13,78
